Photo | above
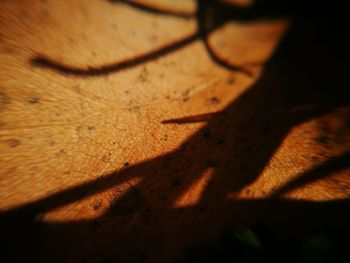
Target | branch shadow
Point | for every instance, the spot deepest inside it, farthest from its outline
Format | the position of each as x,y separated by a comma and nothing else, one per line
210,15
237,143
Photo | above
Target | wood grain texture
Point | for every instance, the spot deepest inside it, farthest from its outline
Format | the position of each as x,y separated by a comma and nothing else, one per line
149,161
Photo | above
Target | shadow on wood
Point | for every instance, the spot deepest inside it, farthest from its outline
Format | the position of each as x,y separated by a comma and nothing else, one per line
235,144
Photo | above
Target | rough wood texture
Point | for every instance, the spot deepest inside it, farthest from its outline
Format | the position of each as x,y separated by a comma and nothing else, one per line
146,160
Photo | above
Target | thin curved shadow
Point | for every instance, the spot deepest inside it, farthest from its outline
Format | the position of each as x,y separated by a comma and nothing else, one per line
204,11
193,119
44,62
154,10
322,171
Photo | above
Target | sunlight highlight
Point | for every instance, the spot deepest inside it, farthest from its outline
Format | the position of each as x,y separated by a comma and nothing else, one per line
193,194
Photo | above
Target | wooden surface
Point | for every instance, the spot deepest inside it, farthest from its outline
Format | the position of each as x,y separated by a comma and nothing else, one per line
143,162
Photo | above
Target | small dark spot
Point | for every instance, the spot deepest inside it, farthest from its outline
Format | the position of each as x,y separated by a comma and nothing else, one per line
274,188
230,81
33,100
314,159
323,138
161,76
4,100
60,152
129,203
93,53
77,88
114,27
14,142
185,95
134,108
221,141
8,50
214,100
212,164
97,205
91,128
167,97
207,134
71,40
169,63
153,38
105,157
45,13
183,147
126,164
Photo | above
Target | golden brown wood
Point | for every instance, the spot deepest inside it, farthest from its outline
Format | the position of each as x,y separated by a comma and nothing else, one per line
150,160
